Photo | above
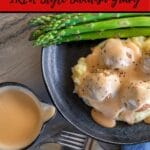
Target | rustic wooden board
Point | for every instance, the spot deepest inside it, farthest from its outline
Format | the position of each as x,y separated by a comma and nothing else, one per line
20,62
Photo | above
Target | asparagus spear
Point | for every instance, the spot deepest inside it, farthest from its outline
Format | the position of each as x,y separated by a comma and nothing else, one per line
95,26
45,28
115,33
87,17
107,24
42,20
79,19
53,20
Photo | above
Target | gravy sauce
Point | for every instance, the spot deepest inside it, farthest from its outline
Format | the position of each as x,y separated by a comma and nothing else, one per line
19,118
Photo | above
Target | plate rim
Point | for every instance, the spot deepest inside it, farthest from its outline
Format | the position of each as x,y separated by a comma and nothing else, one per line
53,96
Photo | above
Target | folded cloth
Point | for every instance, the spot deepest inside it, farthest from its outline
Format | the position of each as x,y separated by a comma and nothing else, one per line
142,146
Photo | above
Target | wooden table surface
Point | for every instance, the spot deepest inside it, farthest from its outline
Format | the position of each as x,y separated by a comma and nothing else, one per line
21,62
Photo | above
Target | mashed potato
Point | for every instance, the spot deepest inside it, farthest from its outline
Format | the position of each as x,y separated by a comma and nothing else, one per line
124,61
79,70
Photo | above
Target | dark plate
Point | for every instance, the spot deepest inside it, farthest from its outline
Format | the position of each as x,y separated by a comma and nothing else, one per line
56,63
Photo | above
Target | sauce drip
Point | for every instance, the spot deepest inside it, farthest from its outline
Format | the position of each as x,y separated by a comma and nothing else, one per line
101,119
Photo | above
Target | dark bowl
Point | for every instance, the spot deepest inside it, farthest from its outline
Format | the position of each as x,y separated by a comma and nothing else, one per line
57,61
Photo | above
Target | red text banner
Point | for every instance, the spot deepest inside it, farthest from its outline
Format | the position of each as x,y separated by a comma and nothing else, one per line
74,5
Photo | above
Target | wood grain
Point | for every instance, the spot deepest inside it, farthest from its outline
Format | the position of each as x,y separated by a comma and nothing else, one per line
20,62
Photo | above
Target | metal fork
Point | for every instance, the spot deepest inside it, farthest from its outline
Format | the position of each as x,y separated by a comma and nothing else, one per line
73,140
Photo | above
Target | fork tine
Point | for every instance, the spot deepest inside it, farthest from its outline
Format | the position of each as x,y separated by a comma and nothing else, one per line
71,146
71,142
72,138
75,134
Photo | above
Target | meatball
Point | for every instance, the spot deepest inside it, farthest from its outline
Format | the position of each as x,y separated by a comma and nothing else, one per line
137,95
99,86
117,55
145,64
